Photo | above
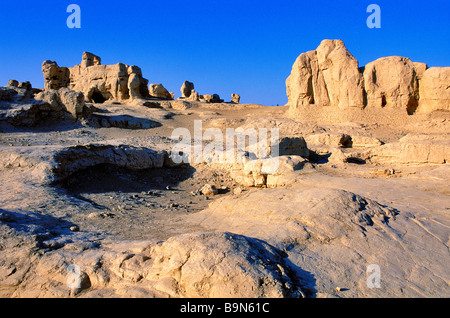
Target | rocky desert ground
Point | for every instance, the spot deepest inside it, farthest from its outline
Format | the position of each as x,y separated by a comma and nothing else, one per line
93,203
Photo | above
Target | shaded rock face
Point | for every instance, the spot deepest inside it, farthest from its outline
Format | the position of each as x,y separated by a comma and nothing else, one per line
13,83
19,107
330,76
186,89
97,82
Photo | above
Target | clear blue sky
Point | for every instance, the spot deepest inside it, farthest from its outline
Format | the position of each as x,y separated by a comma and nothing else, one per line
224,47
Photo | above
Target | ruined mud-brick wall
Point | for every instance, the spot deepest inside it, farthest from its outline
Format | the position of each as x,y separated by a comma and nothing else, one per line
97,82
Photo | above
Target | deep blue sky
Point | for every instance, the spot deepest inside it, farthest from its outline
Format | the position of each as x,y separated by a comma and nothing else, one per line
224,47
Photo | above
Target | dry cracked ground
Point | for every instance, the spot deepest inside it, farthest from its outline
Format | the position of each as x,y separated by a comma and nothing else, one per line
101,210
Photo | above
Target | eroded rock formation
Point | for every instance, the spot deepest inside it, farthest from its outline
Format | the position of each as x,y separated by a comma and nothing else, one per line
326,76
330,76
97,82
159,91
186,89
20,107
392,82
434,89
235,98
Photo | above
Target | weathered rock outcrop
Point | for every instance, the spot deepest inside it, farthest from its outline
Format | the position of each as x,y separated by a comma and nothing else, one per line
235,98
392,82
137,85
159,91
186,89
198,265
324,230
97,82
55,77
13,83
190,266
64,99
434,89
330,76
19,107
55,163
268,163
194,97
301,216
412,150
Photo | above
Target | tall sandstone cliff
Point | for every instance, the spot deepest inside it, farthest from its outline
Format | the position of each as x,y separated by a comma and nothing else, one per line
331,76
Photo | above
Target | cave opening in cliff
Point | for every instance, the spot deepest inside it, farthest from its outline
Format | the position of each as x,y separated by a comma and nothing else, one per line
97,98
383,100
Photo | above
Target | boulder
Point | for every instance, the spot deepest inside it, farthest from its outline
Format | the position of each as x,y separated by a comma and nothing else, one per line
159,91
72,101
235,98
216,99
186,89
207,98
392,82
209,189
